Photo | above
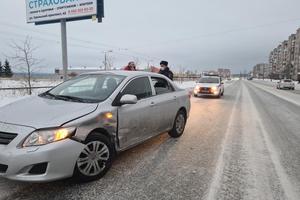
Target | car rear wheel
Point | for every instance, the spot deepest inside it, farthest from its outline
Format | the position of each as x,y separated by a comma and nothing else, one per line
179,125
95,159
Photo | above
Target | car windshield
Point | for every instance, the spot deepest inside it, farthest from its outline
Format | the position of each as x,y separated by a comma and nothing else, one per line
209,80
91,88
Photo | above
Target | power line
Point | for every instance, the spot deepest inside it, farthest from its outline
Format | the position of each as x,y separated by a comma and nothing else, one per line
215,34
91,43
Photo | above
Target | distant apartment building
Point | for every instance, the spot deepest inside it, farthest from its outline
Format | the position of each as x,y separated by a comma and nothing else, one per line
262,70
284,60
225,73
296,68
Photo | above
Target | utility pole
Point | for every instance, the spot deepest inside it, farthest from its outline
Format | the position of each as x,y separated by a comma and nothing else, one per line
64,48
105,62
105,58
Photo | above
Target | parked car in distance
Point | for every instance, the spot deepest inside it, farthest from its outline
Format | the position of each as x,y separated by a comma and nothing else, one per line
286,84
77,128
209,86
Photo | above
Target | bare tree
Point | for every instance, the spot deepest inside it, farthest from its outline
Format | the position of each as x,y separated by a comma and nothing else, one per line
24,58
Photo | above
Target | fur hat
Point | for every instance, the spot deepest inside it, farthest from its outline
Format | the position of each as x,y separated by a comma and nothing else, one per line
164,63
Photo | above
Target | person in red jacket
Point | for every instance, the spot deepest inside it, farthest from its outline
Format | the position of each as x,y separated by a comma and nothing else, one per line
130,67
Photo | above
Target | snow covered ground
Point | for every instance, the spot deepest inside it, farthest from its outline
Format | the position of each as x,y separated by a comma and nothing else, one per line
9,96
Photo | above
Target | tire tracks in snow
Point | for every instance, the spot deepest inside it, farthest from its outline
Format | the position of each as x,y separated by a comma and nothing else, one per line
248,166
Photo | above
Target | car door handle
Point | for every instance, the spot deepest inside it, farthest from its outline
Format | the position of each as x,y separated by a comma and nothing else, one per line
175,97
152,104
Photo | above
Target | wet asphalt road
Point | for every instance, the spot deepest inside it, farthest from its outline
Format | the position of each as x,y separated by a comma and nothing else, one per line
245,145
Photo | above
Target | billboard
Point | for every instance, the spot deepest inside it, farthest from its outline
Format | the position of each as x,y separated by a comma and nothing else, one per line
53,10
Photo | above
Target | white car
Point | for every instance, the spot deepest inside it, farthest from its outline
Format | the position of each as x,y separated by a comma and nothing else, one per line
286,84
209,86
77,128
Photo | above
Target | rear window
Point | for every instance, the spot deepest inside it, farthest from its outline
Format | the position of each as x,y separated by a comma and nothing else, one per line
209,80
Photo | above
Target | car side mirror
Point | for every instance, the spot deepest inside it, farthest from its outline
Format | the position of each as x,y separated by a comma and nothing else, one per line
128,99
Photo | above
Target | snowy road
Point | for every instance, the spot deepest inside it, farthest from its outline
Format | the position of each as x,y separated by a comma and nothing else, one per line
243,146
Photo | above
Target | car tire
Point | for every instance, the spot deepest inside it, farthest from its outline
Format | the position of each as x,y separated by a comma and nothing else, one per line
179,125
95,159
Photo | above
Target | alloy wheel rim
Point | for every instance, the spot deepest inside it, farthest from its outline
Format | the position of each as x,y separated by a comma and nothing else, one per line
180,121
93,158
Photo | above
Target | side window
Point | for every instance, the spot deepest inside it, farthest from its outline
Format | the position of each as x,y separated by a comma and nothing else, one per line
161,85
139,87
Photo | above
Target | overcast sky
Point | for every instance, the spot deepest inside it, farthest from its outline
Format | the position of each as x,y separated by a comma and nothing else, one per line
192,34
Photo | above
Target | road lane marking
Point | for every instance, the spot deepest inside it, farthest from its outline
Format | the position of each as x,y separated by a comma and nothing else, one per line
216,180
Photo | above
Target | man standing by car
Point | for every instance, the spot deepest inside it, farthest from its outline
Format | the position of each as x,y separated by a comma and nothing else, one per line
165,70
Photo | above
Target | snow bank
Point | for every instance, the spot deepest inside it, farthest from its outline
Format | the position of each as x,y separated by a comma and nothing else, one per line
9,96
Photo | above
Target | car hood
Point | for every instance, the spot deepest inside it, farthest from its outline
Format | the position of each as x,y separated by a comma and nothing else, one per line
38,112
208,84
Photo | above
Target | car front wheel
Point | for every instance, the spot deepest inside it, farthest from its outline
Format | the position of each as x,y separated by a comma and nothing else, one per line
179,125
95,159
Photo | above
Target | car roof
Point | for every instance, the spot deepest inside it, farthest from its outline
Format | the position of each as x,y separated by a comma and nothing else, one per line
126,73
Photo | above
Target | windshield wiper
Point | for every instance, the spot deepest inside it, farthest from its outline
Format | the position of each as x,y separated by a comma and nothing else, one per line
67,98
47,94
72,98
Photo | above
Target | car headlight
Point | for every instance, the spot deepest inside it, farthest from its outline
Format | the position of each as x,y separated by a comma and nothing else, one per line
42,137
214,88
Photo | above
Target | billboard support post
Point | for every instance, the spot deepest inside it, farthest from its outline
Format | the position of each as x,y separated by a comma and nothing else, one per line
64,48
42,12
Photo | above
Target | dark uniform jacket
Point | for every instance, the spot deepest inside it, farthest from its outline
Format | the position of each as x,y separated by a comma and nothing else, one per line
167,72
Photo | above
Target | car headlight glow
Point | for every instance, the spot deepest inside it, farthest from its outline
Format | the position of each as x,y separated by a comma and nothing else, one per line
42,137
214,88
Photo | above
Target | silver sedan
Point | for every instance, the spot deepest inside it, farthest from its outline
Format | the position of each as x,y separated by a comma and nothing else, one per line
77,128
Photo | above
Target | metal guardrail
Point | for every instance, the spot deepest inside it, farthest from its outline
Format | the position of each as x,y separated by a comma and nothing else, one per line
26,88
176,78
